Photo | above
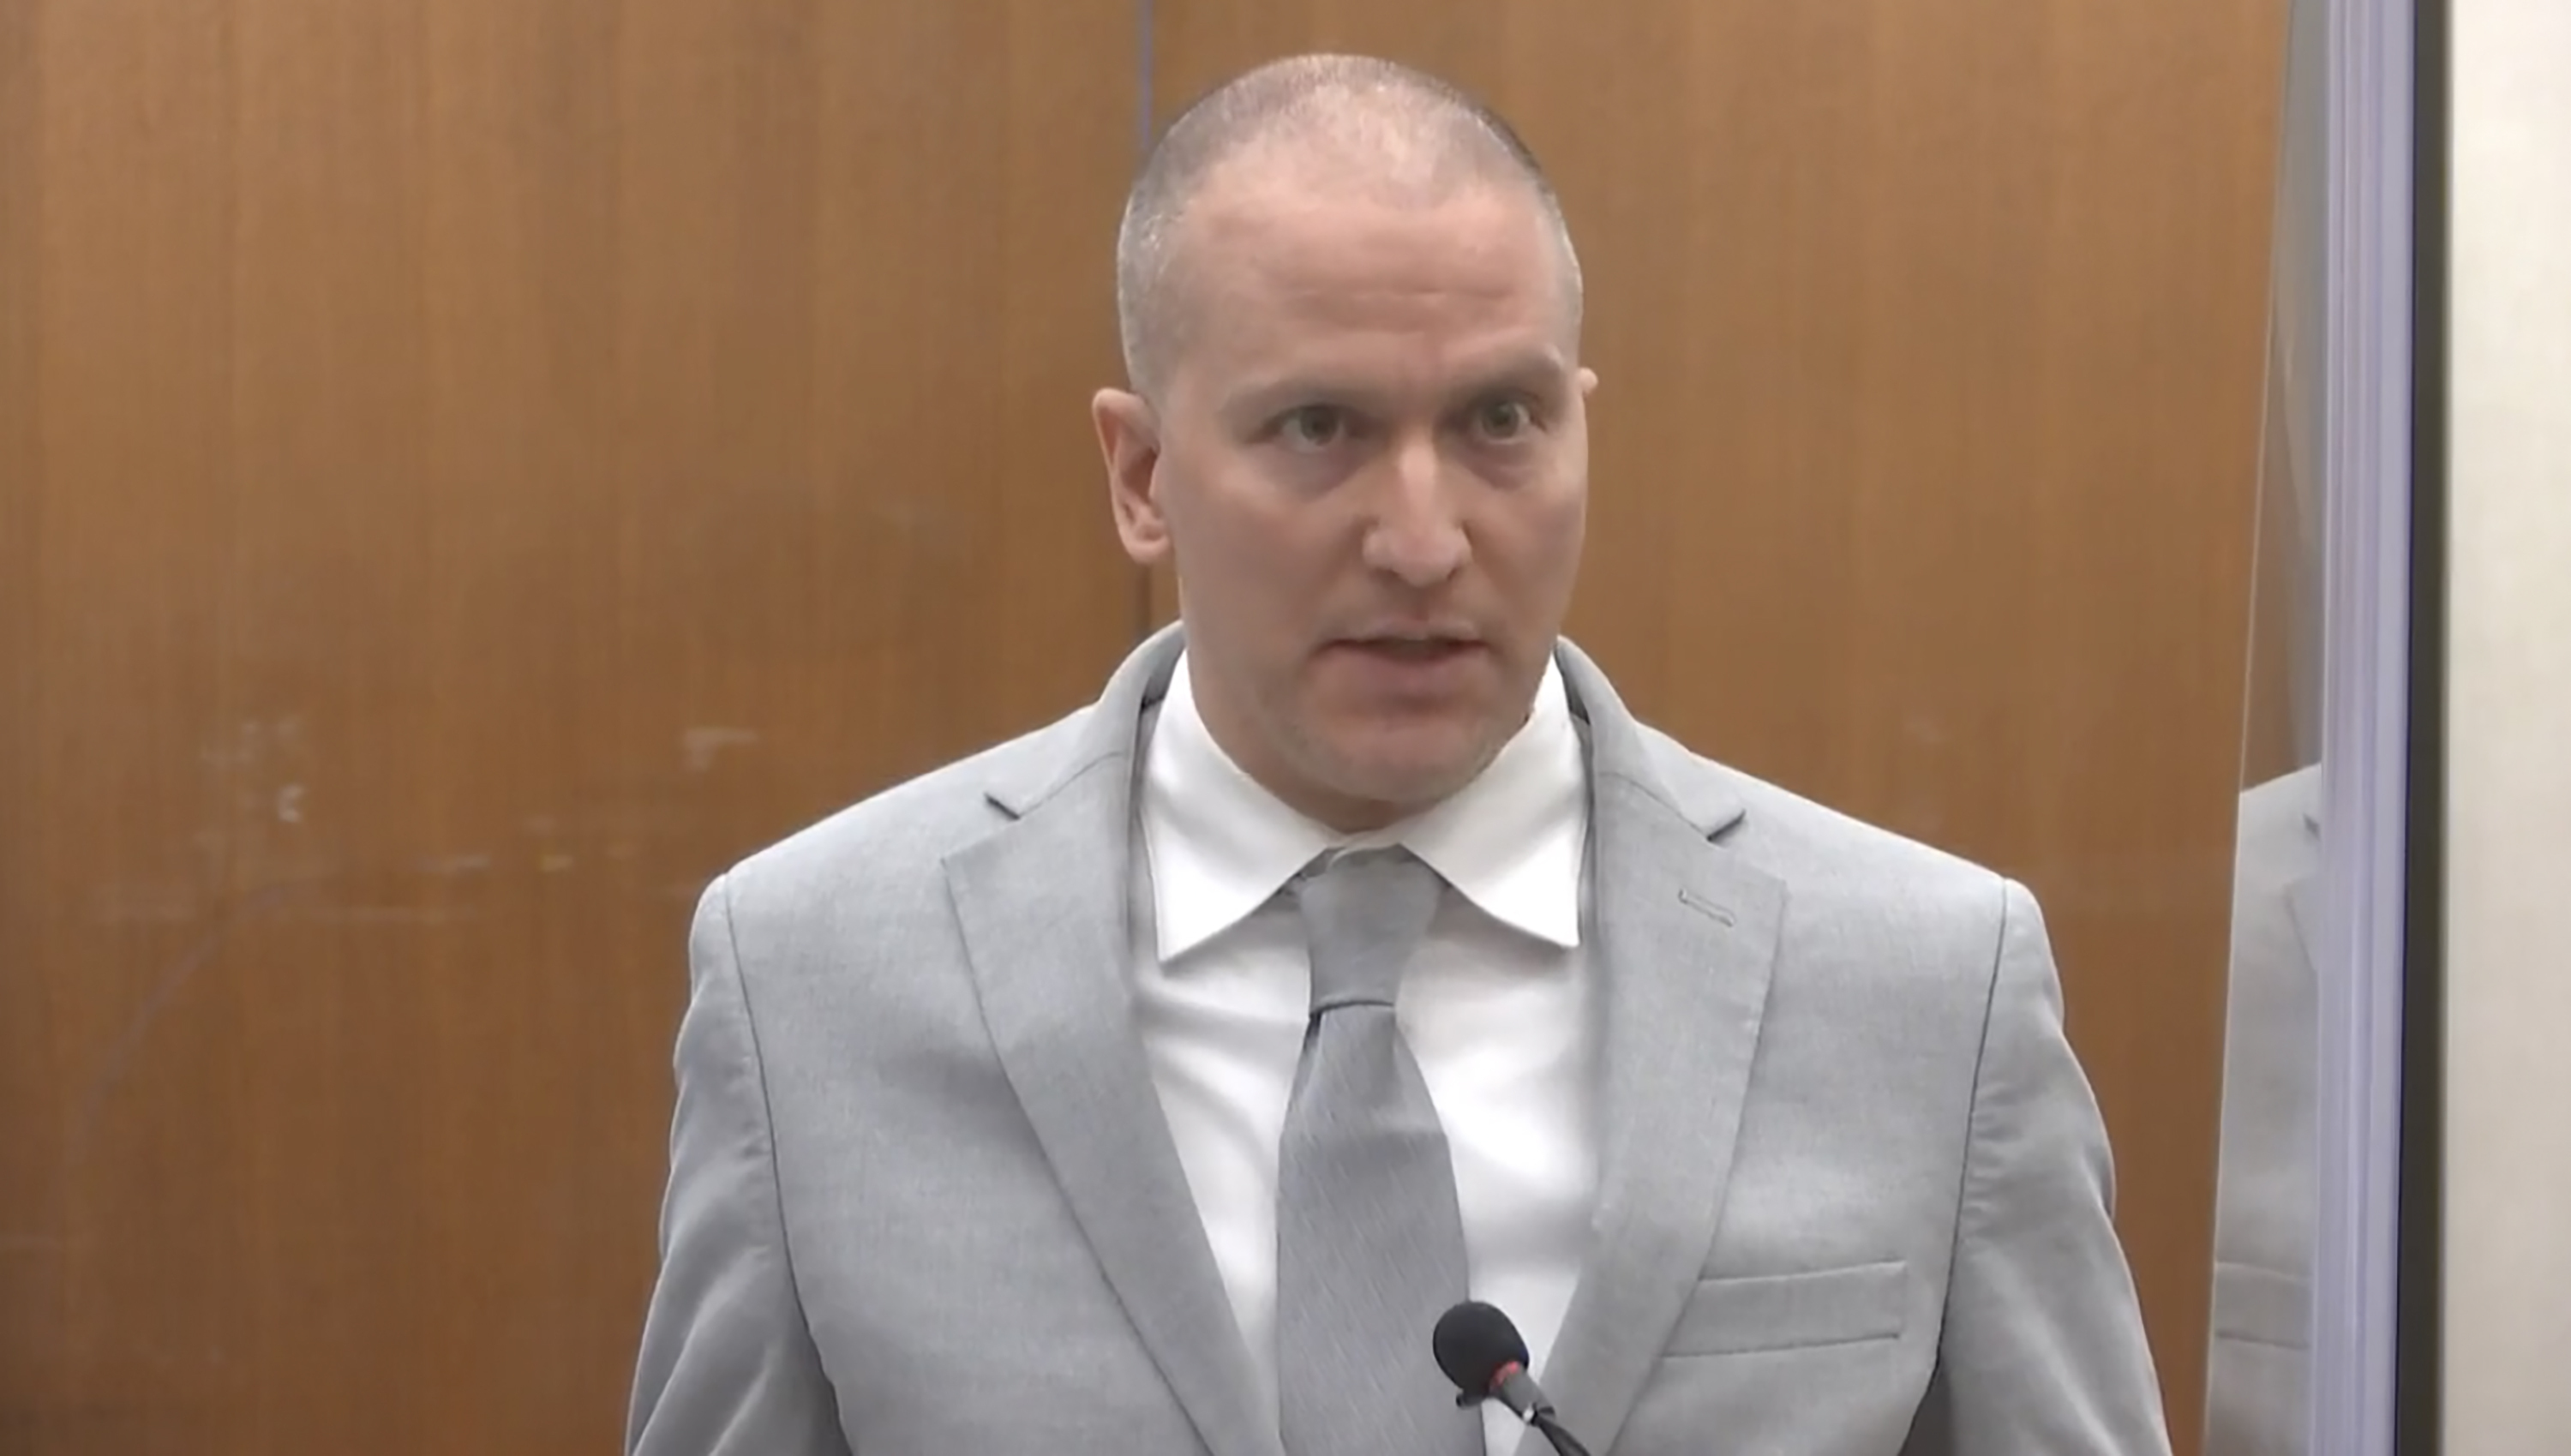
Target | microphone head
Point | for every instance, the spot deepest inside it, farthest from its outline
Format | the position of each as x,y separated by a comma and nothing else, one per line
1476,1344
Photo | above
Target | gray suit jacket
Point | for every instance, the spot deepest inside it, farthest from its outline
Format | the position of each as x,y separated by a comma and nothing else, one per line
2258,1364
924,1201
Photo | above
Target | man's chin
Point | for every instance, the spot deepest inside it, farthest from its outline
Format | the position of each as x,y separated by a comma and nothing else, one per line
1410,778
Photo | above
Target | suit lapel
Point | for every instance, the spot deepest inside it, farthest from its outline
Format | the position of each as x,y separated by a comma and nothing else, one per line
1043,907
1685,935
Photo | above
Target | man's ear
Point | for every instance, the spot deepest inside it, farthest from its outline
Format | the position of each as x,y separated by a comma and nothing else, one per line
1129,439
1588,382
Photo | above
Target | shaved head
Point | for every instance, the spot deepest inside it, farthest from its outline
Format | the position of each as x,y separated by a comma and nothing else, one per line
1345,124
1358,427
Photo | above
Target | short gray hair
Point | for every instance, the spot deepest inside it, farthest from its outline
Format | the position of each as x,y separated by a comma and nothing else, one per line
1377,109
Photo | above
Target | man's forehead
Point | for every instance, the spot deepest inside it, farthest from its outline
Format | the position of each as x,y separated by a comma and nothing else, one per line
1349,275
1352,340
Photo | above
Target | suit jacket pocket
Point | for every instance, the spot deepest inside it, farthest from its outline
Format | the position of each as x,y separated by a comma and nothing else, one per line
1791,1311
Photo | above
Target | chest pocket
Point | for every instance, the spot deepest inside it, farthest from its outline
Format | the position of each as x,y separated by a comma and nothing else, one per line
1735,1316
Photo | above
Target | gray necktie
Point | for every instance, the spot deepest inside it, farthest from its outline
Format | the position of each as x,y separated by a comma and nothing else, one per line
1369,1241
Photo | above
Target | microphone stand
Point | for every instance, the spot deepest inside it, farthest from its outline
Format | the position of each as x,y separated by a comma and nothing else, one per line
1527,1403
1564,1443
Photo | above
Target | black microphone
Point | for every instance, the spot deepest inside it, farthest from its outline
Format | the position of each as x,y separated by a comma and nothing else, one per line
1486,1358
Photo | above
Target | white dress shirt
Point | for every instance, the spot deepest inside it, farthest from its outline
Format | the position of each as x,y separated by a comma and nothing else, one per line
1496,1007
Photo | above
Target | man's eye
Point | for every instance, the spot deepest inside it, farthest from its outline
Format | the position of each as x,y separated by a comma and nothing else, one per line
1503,419
1311,427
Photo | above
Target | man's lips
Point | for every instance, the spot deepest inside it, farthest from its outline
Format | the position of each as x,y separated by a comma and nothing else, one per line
1395,636
1407,644
1406,647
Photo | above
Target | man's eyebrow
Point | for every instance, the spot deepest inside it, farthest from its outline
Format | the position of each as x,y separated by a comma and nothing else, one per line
1543,366
1285,390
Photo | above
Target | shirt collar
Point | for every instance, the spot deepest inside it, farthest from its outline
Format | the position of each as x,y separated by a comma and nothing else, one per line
1511,841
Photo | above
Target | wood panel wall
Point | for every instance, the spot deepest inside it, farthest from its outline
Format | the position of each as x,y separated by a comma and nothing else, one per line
472,468
468,468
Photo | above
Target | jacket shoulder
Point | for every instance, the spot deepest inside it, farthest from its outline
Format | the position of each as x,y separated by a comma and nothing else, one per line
901,834
1825,853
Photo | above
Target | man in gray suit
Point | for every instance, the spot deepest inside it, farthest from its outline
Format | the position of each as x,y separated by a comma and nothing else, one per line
1152,1083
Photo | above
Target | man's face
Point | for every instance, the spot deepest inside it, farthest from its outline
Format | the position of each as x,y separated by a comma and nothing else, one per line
1369,466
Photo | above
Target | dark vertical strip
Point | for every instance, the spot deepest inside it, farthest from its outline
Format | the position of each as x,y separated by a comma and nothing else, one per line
1145,20
23,178
2418,1350
35,1314
1145,17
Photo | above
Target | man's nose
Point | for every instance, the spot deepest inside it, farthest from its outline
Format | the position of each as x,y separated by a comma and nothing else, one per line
1417,534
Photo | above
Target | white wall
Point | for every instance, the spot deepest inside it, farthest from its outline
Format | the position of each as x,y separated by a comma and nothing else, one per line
2508,1112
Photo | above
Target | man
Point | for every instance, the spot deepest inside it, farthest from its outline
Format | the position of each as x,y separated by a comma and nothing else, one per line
1057,1102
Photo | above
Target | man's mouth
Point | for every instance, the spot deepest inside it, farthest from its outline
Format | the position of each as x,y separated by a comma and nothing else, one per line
1409,649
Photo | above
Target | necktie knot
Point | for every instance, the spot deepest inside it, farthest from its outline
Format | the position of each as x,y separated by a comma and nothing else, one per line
1365,916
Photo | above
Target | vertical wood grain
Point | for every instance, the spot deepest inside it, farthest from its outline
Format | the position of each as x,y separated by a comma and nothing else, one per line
469,470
